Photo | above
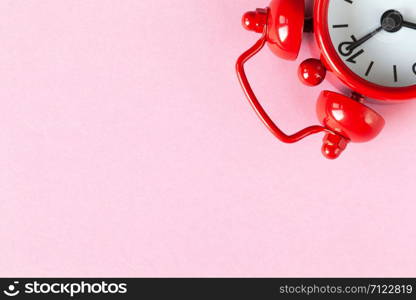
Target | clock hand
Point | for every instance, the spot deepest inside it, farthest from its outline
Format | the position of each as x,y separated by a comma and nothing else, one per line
391,21
364,39
409,25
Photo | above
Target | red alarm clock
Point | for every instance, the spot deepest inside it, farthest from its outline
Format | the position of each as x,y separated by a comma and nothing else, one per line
368,45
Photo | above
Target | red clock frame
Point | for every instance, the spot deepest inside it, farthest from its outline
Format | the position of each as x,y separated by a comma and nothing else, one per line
334,63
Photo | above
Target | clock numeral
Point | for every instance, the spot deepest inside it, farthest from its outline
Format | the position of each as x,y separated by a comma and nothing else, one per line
344,50
353,57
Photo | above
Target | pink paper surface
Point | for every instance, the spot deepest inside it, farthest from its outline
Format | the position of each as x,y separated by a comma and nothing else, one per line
127,148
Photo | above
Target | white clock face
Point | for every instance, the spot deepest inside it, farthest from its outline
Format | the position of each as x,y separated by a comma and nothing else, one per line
376,39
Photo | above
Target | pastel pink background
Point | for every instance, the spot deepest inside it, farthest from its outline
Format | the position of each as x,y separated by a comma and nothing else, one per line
127,148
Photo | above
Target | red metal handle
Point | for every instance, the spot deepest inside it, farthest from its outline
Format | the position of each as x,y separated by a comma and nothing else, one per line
264,117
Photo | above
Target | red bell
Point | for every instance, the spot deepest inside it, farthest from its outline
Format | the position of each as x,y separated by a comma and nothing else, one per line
285,20
349,119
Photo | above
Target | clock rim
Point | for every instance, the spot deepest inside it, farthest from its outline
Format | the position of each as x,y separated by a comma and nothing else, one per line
335,64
